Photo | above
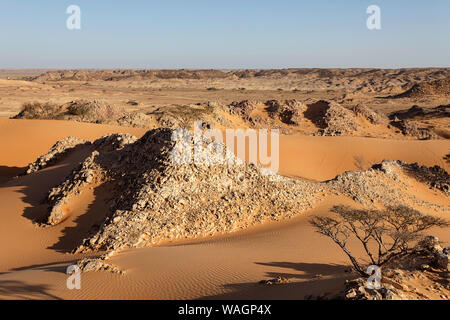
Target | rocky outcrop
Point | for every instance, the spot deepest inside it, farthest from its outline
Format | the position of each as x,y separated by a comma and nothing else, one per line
441,256
369,114
97,264
288,111
87,173
439,87
419,113
56,152
158,196
435,177
411,128
137,120
332,118
243,108
156,199
382,184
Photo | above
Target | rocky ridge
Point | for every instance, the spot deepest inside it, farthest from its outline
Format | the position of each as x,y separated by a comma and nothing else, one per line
155,198
357,79
56,152
427,88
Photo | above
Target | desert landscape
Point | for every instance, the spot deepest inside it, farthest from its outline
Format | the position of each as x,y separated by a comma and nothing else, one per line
87,180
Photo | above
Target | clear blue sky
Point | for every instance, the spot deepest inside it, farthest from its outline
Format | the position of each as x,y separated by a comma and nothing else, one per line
224,34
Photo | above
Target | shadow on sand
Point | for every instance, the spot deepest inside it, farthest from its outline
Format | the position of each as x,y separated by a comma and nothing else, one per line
7,173
20,290
35,187
86,223
316,279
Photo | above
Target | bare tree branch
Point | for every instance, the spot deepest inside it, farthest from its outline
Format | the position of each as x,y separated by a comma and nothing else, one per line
384,235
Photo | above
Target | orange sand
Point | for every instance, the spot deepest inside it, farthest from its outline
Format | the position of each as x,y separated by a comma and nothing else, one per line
33,260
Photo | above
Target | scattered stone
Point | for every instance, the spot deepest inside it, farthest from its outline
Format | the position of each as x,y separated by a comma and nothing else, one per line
424,267
277,280
132,103
97,264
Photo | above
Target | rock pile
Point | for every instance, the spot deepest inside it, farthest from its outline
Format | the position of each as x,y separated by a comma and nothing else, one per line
88,172
243,108
385,183
137,120
369,114
332,118
96,264
156,197
410,128
56,152
435,177
440,256
288,111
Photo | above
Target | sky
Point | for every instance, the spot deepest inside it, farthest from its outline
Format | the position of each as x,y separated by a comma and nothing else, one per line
224,34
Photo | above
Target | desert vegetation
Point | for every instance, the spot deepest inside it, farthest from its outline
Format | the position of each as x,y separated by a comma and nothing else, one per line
40,110
384,234
97,111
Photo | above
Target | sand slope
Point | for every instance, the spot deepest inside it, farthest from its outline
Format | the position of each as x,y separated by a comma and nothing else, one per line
34,259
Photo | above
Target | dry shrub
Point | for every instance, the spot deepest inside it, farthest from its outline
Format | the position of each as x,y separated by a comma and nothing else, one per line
384,234
94,111
39,110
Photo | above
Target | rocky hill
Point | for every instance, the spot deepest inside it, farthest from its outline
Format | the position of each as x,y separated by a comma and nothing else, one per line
157,196
362,80
439,87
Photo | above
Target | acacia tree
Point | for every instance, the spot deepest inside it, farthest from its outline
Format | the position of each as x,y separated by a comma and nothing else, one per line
384,234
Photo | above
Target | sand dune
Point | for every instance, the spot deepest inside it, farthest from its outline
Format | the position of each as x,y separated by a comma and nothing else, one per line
36,137
34,259
322,158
